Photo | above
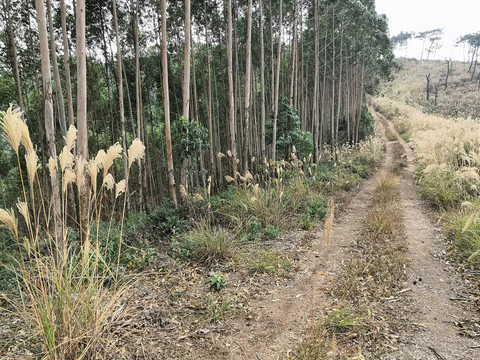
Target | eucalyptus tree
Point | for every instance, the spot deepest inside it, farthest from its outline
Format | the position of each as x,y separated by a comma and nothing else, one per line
166,106
12,49
49,124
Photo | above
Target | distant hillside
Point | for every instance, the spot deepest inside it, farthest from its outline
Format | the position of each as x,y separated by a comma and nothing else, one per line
461,98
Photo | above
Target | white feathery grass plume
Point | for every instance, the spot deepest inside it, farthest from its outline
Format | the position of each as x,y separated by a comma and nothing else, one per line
31,160
79,171
220,155
249,176
66,158
92,170
238,161
113,152
10,124
8,220
253,159
109,182
198,197
229,153
71,137
52,166
183,193
229,179
101,154
26,243
25,136
23,210
68,177
294,149
135,151
120,188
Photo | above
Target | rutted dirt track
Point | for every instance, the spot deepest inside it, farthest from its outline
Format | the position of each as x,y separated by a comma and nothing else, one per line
281,316
284,314
433,285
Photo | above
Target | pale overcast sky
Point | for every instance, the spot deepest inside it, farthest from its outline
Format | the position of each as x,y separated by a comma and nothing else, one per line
456,17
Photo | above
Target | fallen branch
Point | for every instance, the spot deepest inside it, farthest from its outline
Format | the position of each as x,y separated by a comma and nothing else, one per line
439,357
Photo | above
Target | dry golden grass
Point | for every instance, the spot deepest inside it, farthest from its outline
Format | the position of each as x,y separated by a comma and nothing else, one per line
460,99
447,152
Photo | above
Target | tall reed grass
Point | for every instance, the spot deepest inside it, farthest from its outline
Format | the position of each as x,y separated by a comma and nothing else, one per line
67,294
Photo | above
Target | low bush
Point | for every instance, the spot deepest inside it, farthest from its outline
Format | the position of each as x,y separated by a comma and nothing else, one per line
270,232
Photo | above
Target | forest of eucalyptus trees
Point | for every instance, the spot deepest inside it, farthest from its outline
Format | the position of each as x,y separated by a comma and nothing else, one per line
214,89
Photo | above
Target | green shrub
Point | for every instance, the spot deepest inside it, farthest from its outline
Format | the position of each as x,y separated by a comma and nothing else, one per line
254,230
216,281
317,208
271,232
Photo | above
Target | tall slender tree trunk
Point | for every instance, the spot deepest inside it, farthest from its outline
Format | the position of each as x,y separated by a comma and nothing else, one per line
248,72
277,86
315,115
334,75
120,101
166,107
186,63
49,125
13,54
294,53
272,61
210,106
138,97
82,139
56,73
66,57
339,91
262,85
231,99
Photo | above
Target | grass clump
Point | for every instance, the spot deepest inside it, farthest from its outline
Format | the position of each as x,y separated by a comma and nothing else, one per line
382,220
464,230
343,320
267,262
218,307
205,244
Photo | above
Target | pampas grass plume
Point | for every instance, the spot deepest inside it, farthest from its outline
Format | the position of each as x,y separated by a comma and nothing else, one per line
8,220
135,151
92,169
109,182
52,166
120,188
10,122
66,158
23,210
31,160
71,137
113,152
68,177
79,171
